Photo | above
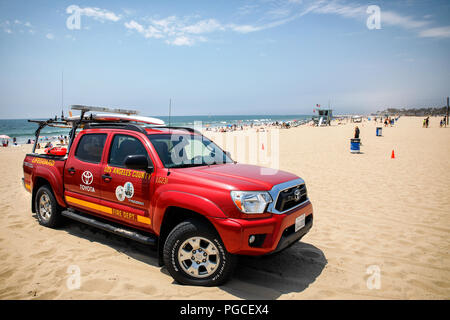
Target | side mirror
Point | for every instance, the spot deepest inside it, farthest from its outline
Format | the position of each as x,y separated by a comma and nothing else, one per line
138,162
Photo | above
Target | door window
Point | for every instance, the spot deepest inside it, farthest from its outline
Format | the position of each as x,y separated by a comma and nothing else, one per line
124,146
90,148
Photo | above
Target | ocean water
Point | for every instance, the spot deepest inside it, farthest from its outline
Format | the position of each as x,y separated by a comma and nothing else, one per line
23,130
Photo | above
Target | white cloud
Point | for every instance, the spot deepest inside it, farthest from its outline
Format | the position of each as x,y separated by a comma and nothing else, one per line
203,26
357,11
176,31
100,14
245,28
338,9
246,9
181,41
149,32
186,31
50,36
134,25
280,12
394,19
439,32
16,26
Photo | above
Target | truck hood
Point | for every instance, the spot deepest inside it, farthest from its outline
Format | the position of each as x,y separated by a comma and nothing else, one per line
239,176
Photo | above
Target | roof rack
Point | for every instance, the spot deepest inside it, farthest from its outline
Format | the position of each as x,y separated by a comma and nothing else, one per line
179,128
102,119
102,109
116,125
52,122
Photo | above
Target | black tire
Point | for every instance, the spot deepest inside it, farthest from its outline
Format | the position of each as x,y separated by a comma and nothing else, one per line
47,209
192,229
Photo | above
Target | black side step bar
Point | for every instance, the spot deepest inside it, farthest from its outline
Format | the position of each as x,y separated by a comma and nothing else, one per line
110,227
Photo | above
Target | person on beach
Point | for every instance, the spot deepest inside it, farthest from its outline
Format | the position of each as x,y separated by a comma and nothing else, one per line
356,132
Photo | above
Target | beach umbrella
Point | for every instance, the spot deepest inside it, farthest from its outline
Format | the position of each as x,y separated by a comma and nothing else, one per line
4,136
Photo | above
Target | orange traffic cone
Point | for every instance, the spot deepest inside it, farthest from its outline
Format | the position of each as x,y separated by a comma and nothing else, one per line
393,155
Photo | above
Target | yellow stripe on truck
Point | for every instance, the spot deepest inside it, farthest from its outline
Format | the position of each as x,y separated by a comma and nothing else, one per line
89,205
99,207
142,219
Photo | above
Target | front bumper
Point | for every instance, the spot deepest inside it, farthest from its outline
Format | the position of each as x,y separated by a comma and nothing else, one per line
289,236
277,232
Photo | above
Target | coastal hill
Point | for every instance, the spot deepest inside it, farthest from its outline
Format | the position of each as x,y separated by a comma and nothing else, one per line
431,111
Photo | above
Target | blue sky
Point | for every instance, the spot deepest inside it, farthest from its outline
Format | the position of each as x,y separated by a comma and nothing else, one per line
223,57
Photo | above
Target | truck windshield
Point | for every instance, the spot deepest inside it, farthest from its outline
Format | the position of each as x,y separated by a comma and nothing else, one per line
187,150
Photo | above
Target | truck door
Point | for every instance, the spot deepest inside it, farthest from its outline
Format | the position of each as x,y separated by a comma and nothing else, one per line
82,172
126,191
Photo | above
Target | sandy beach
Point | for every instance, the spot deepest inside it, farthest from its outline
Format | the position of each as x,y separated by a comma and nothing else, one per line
370,210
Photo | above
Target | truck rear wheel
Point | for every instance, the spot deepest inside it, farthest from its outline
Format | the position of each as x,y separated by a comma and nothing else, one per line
47,209
195,255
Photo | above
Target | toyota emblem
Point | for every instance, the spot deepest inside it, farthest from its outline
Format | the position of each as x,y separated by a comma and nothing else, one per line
297,194
87,177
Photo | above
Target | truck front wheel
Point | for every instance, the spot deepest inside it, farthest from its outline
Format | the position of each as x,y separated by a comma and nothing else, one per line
195,255
47,209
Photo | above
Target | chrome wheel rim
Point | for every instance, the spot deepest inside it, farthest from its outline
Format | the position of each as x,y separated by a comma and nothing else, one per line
198,257
45,207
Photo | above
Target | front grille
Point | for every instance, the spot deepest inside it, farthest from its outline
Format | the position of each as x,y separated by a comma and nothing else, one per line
290,197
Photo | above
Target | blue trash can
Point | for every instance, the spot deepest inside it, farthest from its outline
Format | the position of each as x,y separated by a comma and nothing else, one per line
355,145
379,130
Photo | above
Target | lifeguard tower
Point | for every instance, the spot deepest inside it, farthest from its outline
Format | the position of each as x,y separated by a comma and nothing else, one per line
323,118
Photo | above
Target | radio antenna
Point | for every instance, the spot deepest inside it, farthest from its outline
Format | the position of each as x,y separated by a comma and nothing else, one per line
62,94
170,114
170,111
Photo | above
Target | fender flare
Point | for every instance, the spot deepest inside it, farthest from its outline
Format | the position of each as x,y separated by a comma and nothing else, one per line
183,200
55,181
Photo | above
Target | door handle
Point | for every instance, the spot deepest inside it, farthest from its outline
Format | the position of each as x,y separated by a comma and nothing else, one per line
71,170
106,177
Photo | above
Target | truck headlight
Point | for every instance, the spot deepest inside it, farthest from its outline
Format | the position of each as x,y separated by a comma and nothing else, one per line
251,201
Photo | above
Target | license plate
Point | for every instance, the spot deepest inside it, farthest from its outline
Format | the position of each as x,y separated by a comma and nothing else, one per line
299,222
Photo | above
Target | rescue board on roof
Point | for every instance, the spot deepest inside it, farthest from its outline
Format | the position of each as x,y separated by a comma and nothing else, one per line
113,117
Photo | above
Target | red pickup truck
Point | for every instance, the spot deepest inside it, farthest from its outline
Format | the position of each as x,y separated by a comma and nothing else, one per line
172,188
